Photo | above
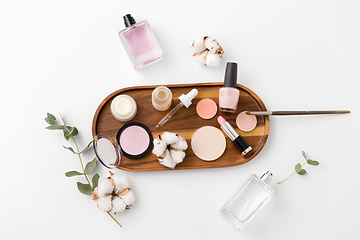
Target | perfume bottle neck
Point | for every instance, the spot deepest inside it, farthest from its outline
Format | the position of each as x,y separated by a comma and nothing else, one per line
266,177
129,20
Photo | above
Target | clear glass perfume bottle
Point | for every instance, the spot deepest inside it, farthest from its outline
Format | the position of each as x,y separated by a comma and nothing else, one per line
140,42
247,200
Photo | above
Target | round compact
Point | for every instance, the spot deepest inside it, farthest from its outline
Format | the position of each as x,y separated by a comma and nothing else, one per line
135,140
206,108
123,108
106,150
208,143
245,122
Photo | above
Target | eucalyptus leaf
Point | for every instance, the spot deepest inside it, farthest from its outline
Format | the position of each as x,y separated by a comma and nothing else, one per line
312,162
84,188
50,119
304,155
70,132
298,167
75,132
55,127
73,173
87,147
90,166
70,149
95,180
302,172
67,132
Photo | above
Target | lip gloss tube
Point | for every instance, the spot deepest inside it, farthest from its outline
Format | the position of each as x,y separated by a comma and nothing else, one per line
238,140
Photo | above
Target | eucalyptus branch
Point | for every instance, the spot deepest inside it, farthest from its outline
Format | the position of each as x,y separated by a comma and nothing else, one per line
69,133
299,168
78,153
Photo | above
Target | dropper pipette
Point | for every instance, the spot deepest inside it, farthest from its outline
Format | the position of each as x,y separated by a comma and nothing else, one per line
185,100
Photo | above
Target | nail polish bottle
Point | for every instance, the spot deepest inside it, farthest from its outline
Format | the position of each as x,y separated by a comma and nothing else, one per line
229,94
140,42
247,200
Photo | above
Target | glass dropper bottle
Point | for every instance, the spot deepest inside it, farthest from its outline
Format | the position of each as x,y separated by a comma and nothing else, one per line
185,100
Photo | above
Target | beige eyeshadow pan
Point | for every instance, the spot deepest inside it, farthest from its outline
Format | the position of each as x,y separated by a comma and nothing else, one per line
245,122
208,143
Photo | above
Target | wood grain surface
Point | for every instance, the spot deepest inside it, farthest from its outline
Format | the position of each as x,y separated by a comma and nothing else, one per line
185,122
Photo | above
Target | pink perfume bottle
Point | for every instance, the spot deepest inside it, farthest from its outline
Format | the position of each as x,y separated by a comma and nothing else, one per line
140,42
229,94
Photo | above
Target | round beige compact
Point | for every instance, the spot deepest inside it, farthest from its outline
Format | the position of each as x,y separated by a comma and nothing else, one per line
208,143
245,122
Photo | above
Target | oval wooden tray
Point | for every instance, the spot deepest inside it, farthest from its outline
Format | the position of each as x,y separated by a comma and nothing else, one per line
185,122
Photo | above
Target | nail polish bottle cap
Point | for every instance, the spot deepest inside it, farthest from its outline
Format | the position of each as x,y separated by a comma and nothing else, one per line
186,99
128,20
230,79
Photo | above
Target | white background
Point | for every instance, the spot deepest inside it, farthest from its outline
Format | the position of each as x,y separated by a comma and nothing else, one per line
66,56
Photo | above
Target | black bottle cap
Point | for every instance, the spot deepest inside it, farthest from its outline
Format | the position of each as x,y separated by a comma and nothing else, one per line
129,20
230,79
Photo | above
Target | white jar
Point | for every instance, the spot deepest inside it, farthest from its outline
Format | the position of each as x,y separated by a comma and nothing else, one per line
123,108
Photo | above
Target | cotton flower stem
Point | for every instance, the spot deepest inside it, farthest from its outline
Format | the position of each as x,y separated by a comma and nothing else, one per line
290,175
114,219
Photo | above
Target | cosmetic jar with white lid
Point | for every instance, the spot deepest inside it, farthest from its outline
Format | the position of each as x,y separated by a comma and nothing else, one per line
123,108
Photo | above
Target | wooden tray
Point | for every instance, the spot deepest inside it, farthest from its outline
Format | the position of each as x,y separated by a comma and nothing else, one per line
185,123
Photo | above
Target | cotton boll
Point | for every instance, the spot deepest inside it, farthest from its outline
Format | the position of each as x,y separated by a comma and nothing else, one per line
169,138
104,203
105,187
170,164
211,44
177,156
129,198
181,144
112,201
165,157
200,57
159,147
121,182
209,53
173,142
118,205
197,45
213,60
167,160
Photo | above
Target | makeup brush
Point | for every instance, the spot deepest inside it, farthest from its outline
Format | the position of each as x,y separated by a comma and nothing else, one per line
294,112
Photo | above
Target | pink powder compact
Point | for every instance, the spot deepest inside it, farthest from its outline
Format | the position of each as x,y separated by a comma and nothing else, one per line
206,108
245,122
135,140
